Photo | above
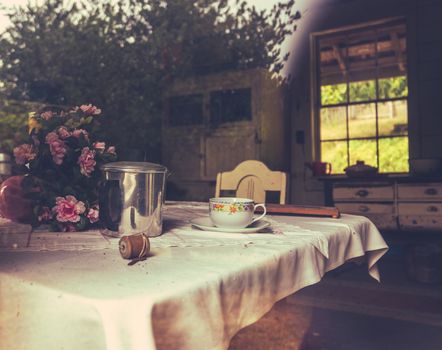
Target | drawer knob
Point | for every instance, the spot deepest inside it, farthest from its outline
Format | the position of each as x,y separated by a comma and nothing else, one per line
363,208
362,193
432,209
431,191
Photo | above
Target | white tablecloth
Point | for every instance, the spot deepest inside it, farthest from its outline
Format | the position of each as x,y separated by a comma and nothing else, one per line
195,292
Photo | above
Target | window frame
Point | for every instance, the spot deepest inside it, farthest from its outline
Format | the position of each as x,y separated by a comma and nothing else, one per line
315,88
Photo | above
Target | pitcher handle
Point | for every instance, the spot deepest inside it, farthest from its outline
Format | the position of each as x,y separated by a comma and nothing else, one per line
262,215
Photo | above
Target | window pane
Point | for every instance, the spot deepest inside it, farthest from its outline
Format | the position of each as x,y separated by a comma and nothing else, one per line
393,87
392,51
230,106
333,94
186,110
363,150
335,153
362,120
361,51
333,123
393,118
393,155
362,91
332,59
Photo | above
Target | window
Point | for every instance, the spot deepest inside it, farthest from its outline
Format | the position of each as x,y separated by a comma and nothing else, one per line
361,103
186,110
228,106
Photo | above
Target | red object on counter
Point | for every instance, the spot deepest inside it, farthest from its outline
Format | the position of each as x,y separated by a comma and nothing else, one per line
13,205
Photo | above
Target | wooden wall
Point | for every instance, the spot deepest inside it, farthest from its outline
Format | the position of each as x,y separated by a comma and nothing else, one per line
424,27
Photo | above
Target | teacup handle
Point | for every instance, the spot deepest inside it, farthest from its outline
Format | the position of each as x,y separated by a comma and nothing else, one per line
262,215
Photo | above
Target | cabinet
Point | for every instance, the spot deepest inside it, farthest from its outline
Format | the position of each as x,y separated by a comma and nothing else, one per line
420,206
401,203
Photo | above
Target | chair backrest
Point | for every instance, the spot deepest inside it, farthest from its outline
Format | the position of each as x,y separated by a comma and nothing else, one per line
251,179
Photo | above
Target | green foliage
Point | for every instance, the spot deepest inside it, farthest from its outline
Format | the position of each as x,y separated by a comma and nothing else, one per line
13,123
393,87
364,90
123,54
333,94
393,154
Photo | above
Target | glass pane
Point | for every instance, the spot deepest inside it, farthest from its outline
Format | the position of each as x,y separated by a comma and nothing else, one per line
361,50
363,150
392,51
335,153
333,123
333,94
393,87
186,110
362,120
393,118
332,59
230,106
393,155
362,91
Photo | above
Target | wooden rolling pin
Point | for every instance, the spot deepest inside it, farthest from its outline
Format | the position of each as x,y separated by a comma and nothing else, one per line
290,209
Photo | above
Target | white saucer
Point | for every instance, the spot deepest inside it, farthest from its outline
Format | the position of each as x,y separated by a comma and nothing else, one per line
204,223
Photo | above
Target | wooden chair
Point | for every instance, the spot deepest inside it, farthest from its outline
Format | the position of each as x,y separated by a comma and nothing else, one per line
251,179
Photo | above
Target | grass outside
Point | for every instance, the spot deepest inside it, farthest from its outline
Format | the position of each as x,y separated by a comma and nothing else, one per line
393,121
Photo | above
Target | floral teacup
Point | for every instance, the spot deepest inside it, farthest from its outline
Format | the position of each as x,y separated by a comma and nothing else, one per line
233,212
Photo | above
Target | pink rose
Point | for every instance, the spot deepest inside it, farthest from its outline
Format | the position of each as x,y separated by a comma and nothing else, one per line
24,153
77,133
86,161
45,214
68,209
89,109
57,147
111,150
93,215
63,132
47,115
51,137
99,146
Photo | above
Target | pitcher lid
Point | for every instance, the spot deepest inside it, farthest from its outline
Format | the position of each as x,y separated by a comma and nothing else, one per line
134,167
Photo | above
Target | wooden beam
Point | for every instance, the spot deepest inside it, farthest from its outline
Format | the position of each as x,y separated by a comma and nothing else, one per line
364,49
398,51
340,59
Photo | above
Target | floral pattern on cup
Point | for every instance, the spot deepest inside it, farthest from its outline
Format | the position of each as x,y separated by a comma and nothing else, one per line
232,208
234,212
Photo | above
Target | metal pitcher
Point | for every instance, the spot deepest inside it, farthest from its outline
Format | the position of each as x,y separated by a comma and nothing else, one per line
5,166
131,198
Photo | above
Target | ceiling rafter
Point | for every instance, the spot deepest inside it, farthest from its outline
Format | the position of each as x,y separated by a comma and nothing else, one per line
340,59
398,51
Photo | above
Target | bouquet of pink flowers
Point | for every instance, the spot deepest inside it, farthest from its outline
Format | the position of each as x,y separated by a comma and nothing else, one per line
61,163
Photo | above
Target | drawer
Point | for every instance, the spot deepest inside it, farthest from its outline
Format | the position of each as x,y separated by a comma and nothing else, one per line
420,222
420,192
379,193
426,208
365,208
383,222
382,215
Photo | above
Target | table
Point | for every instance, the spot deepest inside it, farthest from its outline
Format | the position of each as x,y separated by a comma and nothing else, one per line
195,291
